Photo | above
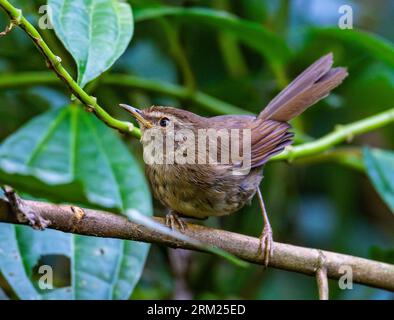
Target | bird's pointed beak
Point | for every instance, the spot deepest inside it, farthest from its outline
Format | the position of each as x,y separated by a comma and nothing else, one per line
137,114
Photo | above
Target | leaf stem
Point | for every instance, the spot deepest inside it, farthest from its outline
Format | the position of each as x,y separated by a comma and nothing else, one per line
350,157
54,63
340,134
229,46
172,34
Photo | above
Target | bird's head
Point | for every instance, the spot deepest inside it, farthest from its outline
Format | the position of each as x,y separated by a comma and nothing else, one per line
164,120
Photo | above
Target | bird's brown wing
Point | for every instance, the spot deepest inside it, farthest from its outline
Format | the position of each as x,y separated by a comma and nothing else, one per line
267,137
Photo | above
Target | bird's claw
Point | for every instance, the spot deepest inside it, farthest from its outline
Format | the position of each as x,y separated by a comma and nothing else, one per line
173,219
266,244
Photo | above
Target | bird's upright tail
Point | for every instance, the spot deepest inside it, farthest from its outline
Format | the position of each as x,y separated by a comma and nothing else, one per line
312,85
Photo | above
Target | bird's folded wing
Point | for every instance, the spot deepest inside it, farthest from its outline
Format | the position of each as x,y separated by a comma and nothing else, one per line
268,138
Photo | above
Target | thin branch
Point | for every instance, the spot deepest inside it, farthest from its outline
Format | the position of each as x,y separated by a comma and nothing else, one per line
288,257
350,157
340,134
54,63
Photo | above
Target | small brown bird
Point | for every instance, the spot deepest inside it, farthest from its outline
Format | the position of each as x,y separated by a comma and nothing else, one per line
200,190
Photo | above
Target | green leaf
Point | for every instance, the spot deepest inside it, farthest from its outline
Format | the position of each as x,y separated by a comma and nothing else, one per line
380,169
95,32
11,264
26,247
251,33
62,149
376,46
106,268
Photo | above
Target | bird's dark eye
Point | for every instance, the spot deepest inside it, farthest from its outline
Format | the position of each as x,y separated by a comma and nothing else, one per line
164,122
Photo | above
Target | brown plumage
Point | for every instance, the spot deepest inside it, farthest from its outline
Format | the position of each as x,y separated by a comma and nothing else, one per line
203,190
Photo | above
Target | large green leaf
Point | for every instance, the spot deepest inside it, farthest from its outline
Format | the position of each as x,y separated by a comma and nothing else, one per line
95,32
251,33
20,250
376,46
68,147
380,169
63,149
11,264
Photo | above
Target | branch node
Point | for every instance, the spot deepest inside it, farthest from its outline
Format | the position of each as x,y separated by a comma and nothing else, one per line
17,20
37,40
290,153
58,61
89,108
24,213
78,215
349,135
130,126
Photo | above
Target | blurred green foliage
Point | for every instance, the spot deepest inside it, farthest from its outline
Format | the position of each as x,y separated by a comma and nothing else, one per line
241,53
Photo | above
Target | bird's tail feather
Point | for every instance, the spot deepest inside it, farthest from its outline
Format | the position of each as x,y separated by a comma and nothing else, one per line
312,85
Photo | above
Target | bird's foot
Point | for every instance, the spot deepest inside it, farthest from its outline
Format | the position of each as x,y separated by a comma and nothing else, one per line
24,213
266,244
173,219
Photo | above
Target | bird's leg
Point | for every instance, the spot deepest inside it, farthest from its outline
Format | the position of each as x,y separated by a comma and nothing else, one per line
172,219
266,240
